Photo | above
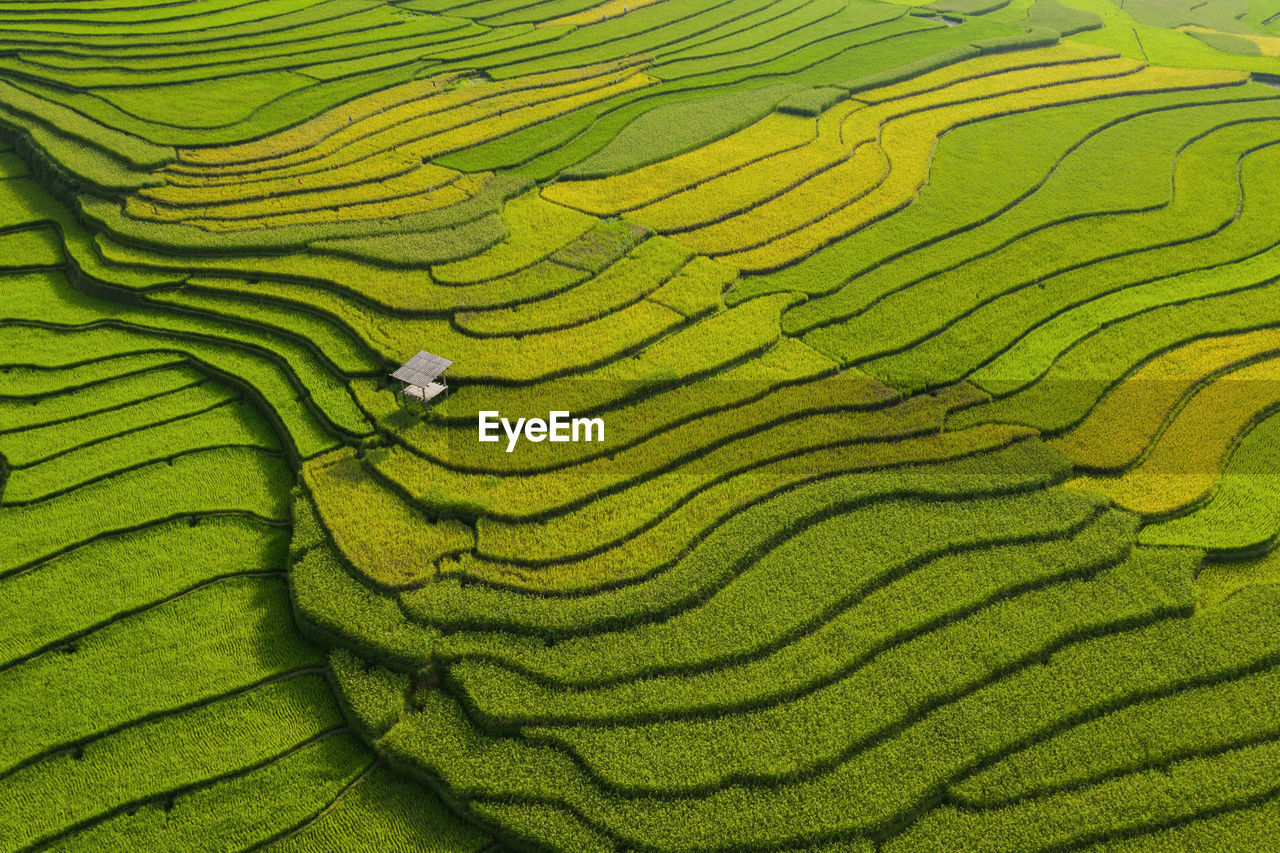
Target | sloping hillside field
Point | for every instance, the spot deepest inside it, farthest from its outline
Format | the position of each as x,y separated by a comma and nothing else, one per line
935,358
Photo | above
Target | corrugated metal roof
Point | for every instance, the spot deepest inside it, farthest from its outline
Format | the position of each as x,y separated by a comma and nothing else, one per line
422,368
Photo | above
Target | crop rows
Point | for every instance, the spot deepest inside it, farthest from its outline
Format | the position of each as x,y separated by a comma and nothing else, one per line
935,354
146,510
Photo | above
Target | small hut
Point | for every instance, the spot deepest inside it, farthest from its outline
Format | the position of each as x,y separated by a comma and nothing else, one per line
423,377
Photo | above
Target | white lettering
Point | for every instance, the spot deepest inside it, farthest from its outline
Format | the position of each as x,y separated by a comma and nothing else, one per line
488,425
587,424
559,426
513,435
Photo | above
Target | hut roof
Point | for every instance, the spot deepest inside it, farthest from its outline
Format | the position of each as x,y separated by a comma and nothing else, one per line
422,368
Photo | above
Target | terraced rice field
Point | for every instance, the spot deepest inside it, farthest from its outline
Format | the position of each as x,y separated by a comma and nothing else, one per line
938,350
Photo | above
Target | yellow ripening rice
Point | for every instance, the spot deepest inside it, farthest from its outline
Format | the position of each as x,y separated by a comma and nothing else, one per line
375,166
820,196
905,129
737,192
1268,45
596,14
305,136
1185,462
535,229
399,197
339,127
609,196
786,186
1125,422
383,536
909,142
230,194
777,132
473,114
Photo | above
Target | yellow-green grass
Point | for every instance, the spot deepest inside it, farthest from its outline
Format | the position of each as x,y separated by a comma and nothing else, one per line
1166,236
595,14
400,196
531,357
933,231
304,783
1184,463
113,400
722,546
230,425
271,200
636,276
696,350
715,196
862,784
338,347
535,229
1118,430
85,588
1037,187
336,129
374,696
565,557
333,607
1171,794
1218,581
1033,355
239,353
882,550
1063,395
635,409
1242,517
896,601
402,136
770,135
777,146
380,533
909,141
44,386
534,357
780,425
819,196
225,737
1204,719
230,652
384,809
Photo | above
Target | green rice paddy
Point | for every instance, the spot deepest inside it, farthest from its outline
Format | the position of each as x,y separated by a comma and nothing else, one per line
938,350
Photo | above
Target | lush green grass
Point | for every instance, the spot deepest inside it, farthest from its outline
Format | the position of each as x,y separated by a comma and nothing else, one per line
635,276
898,322
1079,221
680,126
864,791
1064,19
301,785
703,638
229,426
375,696
84,589
1064,393
73,394
222,738
185,697
729,542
